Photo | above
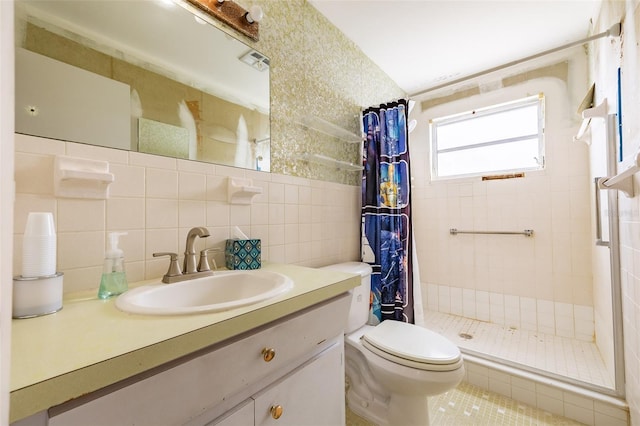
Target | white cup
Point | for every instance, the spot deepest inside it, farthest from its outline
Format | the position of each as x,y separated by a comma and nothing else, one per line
40,223
39,246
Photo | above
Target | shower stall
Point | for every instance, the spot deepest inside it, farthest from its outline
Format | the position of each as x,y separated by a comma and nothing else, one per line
523,271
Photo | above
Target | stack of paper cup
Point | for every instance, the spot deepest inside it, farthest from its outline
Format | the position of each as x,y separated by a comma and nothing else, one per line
39,246
38,291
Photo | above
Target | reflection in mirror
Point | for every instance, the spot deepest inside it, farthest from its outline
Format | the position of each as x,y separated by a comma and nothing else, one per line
143,75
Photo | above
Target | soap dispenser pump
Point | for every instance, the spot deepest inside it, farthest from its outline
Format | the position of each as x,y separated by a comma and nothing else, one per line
114,280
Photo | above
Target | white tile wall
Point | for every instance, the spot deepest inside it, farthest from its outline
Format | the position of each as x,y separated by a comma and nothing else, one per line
496,307
455,301
555,264
444,299
545,316
564,319
157,199
469,303
528,313
483,305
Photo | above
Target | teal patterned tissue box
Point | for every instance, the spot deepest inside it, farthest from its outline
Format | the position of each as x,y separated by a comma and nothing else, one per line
243,254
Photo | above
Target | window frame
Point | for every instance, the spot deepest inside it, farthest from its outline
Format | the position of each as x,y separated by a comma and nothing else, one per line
537,100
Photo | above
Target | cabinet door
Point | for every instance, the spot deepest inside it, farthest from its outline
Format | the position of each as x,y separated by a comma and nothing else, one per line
310,395
242,415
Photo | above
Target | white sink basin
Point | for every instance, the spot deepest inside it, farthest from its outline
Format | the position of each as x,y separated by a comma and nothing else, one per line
222,291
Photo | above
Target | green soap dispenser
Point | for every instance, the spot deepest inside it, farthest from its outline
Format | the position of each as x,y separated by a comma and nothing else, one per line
114,280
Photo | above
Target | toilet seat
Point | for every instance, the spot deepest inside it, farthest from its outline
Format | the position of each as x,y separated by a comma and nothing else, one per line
412,346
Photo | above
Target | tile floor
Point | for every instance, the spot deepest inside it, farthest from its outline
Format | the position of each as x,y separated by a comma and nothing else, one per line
470,405
564,356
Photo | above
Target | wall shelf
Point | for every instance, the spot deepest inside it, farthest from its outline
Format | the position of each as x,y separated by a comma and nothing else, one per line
322,126
319,125
81,178
241,191
331,162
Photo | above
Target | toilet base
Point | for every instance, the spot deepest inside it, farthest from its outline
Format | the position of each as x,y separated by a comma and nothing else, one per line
398,410
409,410
374,411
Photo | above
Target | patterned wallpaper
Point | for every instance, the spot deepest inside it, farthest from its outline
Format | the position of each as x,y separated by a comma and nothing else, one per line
315,70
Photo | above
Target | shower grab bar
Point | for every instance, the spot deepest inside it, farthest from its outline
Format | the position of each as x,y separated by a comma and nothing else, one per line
526,232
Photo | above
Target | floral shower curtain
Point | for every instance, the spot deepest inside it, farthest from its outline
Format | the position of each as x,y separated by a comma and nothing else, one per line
386,212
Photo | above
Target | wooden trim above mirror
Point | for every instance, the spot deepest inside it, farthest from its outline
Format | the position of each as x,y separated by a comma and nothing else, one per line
231,14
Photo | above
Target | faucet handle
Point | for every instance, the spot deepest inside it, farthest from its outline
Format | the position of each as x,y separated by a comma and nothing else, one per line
203,265
174,266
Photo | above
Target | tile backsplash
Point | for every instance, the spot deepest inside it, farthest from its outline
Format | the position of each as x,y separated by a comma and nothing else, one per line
156,200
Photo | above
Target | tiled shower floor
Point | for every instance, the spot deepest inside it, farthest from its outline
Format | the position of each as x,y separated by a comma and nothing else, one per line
559,355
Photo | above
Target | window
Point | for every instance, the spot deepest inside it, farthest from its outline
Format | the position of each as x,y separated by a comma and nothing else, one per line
501,138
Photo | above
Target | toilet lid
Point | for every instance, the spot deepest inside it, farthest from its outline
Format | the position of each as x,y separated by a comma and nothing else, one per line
412,346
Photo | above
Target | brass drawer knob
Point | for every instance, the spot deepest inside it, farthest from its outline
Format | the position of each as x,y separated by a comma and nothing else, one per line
276,411
268,354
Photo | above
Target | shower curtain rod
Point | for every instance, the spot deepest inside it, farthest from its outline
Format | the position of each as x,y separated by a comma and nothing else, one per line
614,31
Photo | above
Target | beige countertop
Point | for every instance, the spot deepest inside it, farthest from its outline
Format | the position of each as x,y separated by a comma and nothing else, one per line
90,344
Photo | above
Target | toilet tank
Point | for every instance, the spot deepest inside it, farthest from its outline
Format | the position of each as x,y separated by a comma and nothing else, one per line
359,311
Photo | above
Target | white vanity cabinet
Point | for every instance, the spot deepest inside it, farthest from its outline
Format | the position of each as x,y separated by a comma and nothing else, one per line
240,416
309,395
296,363
312,395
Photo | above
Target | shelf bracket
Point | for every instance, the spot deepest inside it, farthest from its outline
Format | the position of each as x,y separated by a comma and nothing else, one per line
599,111
622,181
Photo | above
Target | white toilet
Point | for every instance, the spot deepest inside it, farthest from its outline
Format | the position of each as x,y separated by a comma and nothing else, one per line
394,366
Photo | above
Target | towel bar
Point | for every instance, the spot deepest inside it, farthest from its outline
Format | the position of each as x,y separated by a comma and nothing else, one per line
526,232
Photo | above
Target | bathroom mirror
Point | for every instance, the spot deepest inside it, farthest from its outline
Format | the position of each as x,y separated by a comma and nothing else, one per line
145,75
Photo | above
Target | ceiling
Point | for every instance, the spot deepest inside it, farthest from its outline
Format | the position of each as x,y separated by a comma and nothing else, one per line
422,44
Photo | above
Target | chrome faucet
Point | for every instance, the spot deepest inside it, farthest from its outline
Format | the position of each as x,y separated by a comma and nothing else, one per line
192,268
190,260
